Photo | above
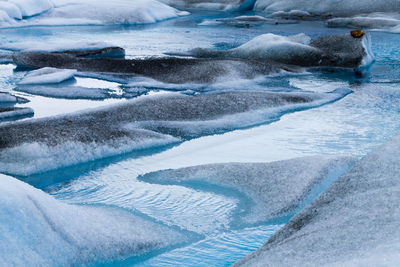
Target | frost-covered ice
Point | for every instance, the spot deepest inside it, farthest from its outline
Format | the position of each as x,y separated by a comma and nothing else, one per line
9,113
47,76
276,189
377,21
150,121
355,222
77,12
299,50
321,7
40,230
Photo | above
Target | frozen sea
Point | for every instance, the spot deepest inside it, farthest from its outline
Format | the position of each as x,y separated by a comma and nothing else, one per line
353,125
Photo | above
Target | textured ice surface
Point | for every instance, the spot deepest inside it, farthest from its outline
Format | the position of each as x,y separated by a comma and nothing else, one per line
300,50
276,189
380,21
354,222
77,12
10,113
70,139
48,76
40,230
333,7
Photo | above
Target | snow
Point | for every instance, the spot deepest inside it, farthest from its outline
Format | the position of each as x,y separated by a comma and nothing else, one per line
331,7
48,76
40,230
300,49
11,9
147,122
276,189
355,222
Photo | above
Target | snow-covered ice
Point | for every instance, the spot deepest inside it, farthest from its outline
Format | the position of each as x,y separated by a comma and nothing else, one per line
150,121
47,76
40,230
355,222
323,7
275,189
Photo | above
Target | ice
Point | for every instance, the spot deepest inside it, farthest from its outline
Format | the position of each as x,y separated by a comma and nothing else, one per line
227,5
355,222
10,113
6,98
275,189
40,230
246,21
149,121
328,7
11,9
376,21
30,8
66,91
300,49
48,76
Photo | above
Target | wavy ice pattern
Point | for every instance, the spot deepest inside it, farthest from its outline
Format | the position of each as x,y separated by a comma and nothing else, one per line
147,122
40,230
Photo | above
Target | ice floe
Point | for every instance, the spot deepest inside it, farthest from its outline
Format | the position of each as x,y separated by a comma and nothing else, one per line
40,230
275,189
48,76
355,222
376,21
149,121
301,50
12,113
328,7
78,12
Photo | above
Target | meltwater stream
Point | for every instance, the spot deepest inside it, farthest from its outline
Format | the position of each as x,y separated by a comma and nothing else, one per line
353,126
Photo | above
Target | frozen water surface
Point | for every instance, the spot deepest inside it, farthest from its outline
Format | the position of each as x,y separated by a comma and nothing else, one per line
205,215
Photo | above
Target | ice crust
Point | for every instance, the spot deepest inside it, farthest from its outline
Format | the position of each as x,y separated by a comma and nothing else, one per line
15,13
355,222
331,7
276,189
150,121
42,231
299,50
47,76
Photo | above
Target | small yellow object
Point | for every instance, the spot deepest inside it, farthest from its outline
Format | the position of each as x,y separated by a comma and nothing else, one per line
357,33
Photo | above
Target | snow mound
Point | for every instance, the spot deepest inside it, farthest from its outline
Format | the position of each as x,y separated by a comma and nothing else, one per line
48,76
300,50
83,12
376,21
328,7
147,122
276,189
11,113
355,222
40,230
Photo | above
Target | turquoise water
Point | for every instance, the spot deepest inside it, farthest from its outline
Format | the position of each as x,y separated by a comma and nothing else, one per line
353,125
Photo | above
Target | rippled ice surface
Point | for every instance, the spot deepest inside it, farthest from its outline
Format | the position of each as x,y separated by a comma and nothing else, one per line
353,125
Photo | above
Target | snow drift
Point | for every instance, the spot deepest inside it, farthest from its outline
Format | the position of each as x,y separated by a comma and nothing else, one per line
40,230
354,222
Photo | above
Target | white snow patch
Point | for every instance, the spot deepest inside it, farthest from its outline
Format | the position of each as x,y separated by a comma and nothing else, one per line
48,76
40,230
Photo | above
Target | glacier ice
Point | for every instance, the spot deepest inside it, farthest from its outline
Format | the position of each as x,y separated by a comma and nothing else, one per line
66,91
149,121
6,98
78,12
47,76
355,222
40,230
276,189
329,7
375,21
11,113
301,50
